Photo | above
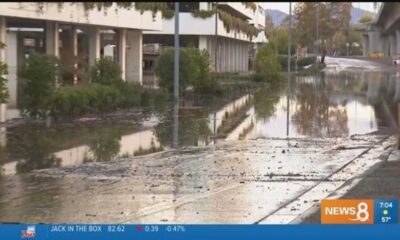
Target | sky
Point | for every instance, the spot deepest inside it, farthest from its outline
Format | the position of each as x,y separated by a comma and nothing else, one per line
284,6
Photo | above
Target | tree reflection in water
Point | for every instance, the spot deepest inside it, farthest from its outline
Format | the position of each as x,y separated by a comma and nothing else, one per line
317,113
35,150
193,128
105,145
266,98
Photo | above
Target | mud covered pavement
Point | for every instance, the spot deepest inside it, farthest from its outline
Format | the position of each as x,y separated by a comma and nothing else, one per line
251,158
255,181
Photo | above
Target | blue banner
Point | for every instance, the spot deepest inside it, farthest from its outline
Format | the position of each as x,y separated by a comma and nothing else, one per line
198,232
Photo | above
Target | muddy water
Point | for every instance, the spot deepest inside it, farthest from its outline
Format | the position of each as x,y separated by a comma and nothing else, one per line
327,105
235,164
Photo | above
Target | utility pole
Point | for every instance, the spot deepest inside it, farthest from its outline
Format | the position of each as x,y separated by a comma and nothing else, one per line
289,61
216,37
176,77
317,34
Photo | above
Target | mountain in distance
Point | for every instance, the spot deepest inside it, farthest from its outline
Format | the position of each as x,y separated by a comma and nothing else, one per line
278,16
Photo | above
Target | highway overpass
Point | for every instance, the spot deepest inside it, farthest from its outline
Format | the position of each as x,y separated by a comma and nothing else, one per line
382,35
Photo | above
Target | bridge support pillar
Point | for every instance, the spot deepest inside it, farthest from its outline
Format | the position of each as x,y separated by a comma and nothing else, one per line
392,44
134,56
397,41
122,52
385,45
374,40
52,38
94,45
365,45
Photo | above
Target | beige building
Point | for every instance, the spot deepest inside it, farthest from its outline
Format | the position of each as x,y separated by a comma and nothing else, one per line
75,35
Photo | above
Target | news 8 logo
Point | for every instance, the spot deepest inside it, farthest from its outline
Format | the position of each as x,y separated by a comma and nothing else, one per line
360,211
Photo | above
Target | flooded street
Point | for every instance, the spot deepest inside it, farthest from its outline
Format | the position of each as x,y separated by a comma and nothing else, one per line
235,163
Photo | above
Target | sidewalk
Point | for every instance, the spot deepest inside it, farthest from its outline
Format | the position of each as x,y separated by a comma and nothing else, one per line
382,183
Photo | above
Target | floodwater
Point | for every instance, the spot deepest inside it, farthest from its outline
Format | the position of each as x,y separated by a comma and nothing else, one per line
229,153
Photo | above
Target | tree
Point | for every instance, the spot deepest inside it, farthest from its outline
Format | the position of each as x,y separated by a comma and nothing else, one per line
40,73
333,17
366,18
165,69
3,80
106,71
266,65
279,38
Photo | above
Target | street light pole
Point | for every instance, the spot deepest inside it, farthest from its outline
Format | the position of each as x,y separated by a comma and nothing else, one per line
176,77
216,37
289,61
176,55
317,35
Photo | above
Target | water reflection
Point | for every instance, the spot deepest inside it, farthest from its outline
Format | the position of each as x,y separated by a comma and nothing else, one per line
327,105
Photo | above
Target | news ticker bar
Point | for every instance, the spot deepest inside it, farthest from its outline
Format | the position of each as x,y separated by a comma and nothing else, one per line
199,232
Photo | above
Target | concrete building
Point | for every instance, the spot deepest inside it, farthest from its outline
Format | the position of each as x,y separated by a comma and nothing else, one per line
77,36
382,36
229,48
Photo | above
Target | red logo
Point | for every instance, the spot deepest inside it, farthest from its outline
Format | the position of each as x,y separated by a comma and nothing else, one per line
29,232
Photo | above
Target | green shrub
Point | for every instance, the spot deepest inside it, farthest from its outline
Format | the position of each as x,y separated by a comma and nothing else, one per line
40,73
130,95
194,70
203,13
76,101
165,70
73,101
266,65
106,71
283,61
306,61
201,79
3,83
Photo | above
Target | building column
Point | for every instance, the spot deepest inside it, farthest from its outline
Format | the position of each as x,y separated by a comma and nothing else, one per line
243,57
222,57
212,53
122,52
246,57
134,56
233,56
52,38
74,40
202,42
3,58
219,56
238,62
236,56
226,55
94,45
230,55
240,56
